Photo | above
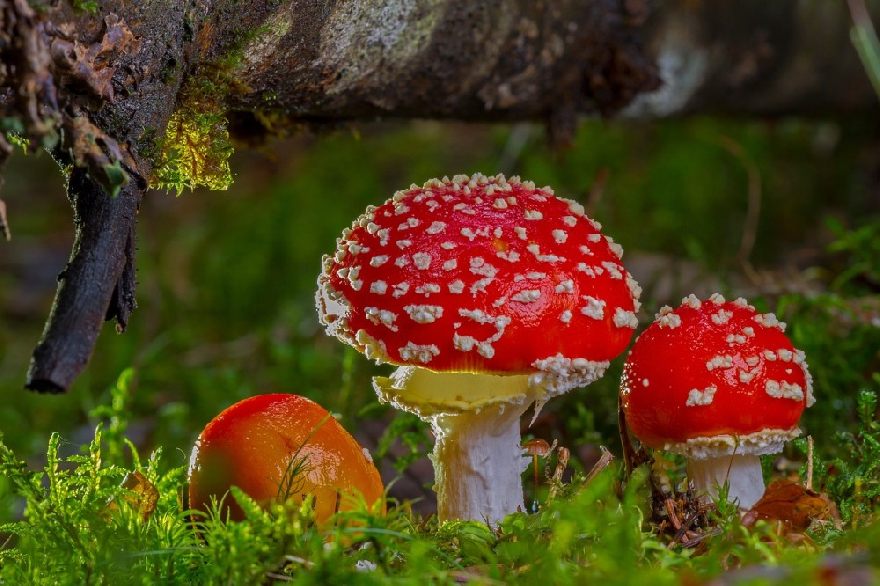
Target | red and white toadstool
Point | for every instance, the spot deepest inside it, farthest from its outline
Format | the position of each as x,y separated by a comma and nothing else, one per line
721,384
489,294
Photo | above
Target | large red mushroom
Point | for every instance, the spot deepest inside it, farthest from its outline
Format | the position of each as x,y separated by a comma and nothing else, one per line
489,294
721,384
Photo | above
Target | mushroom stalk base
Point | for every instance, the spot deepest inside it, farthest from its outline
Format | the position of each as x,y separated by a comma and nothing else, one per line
478,463
742,472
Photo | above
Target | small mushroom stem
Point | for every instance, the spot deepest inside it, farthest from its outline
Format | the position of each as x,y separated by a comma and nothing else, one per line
535,465
478,463
742,472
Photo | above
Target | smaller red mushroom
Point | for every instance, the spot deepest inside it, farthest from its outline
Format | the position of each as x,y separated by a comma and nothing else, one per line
721,384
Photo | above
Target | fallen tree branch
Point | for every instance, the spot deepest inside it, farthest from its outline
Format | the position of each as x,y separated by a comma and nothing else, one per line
100,268
507,60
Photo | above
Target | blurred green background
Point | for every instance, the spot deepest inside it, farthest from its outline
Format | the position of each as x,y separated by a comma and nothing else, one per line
226,279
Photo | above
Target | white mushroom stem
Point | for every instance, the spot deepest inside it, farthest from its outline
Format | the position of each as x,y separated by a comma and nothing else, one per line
478,460
478,463
742,472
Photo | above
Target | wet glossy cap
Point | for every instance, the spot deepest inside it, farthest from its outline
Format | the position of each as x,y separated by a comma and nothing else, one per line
281,446
481,274
715,376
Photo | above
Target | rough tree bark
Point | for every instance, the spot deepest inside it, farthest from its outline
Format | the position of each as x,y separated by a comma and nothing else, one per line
92,87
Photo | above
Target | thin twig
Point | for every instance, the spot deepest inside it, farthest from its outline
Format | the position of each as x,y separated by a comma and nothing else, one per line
670,512
865,40
4,222
602,464
597,190
683,529
809,484
753,203
516,142
562,457
295,559
701,537
5,151
626,446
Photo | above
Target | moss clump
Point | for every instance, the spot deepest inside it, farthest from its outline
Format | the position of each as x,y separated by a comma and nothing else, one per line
20,141
89,6
196,149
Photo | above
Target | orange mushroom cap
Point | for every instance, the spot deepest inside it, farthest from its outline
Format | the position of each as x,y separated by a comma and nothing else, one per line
713,376
536,447
269,445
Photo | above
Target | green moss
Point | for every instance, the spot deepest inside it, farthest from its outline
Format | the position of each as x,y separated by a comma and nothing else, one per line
13,129
593,531
90,6
196,149
19,141
148,144
234,56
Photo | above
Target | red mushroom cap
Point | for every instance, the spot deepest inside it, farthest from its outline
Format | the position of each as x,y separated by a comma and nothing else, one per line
480,274
712,376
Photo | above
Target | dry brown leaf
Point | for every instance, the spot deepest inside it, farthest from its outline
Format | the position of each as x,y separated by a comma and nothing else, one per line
141,496
92,65
793,505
